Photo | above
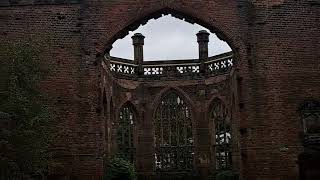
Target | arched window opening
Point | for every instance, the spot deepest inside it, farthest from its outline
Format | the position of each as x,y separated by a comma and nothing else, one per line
169,47
310,112
309,159
173,135
165,38
222,134
125,134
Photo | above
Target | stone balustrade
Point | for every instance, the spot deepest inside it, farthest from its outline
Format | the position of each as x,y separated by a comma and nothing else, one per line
128,69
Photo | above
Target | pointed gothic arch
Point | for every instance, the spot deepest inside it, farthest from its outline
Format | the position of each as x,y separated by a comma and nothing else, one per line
129,22
178,91
220,117
173,134
220,28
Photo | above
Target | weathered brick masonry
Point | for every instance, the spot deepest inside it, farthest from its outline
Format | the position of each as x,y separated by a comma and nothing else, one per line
276,44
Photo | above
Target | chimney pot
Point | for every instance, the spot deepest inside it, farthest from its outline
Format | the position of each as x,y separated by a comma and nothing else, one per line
138,39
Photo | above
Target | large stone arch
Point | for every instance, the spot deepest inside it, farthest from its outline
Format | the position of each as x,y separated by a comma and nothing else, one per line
220,17
117,18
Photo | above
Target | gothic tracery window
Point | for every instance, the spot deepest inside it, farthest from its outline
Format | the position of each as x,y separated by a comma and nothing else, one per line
173,135
125,133
222,134
310,112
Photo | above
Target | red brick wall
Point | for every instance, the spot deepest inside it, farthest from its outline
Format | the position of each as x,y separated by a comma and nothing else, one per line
283,72
72,83
276,43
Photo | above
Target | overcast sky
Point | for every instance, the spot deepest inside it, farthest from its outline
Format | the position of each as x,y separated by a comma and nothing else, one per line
168,38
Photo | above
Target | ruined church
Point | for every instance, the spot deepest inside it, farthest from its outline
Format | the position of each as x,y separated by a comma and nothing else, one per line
254,110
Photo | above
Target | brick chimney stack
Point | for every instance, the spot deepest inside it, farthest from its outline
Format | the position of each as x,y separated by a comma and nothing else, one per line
138,42
203,40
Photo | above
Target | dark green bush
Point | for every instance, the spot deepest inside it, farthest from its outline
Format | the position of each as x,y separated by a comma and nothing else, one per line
227,175
119,169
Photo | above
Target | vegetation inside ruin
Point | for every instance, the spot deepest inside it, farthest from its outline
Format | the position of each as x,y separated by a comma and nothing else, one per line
25,113
224,174
119,169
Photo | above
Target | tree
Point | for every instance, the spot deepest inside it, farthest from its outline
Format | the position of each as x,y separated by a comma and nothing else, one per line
25,114
119,169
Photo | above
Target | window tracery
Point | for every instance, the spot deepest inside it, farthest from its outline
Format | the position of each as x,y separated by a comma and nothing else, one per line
125,134
222,135
173,135
310,112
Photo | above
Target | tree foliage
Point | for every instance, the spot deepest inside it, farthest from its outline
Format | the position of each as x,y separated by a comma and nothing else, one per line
25,115
119,169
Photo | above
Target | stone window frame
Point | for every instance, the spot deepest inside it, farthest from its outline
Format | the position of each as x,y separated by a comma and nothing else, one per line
307,109
182,98
227,146
130,152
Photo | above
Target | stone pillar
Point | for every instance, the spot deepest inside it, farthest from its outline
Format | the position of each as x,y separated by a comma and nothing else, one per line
138,42
203,40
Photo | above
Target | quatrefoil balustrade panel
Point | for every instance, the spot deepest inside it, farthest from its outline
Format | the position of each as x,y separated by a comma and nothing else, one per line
129,69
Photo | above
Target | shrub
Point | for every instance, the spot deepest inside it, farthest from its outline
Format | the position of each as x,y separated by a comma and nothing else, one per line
227,175
119,169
